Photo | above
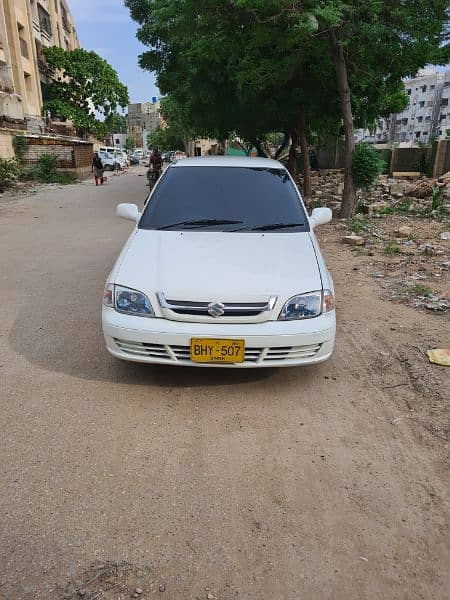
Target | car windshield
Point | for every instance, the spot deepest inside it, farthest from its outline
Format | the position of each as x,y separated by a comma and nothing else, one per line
232,199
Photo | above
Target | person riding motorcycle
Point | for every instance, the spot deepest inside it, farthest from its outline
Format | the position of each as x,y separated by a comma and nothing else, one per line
155,167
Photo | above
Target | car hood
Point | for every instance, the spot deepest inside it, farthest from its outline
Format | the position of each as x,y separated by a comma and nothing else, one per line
216,266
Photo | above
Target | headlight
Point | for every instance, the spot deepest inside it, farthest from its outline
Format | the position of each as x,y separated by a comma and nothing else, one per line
307,306
127,301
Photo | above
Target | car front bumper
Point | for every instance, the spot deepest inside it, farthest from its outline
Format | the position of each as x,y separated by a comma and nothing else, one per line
268,344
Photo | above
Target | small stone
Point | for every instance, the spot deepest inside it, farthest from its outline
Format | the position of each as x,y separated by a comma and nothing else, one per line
210,597
377,207
353,240
162,587
139,591
445,235
404,231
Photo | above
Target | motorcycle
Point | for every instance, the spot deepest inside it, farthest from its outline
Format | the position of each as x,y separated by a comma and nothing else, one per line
152,177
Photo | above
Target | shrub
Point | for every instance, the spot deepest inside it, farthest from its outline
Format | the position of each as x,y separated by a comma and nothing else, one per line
419,290
9,171
20,145
46,168
366,166
391,249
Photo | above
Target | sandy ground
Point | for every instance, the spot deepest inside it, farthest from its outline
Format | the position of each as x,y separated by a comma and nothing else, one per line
322,482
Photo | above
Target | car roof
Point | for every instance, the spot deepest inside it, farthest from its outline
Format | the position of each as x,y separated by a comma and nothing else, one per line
228,161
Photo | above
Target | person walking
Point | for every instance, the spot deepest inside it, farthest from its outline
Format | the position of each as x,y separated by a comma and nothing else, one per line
97,169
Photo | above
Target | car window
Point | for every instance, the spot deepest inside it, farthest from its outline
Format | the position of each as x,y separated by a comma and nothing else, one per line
225,199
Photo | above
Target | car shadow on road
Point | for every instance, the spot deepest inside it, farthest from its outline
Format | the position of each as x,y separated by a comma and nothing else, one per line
68,344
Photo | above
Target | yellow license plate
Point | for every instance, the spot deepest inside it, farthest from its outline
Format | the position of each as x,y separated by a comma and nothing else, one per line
206,350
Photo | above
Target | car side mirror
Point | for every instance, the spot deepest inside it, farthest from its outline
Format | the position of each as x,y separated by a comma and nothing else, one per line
320,216
128,211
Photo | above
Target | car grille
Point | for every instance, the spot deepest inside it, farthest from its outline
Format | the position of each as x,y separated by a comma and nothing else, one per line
173,354
230,309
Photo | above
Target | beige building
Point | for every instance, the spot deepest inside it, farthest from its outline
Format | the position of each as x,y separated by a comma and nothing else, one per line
25,27
142,119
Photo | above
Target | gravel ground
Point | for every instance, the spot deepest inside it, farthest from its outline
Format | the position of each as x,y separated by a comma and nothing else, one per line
121,480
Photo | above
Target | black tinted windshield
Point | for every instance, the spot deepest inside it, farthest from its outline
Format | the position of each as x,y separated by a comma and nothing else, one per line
225,199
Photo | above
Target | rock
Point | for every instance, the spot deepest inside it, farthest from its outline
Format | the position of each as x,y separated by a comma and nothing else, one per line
400,187
210,597
445,235
404,231
431,249
353,240
377,207
139,591
423,189
162,587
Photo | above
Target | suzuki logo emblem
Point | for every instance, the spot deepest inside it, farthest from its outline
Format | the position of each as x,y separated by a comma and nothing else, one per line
216,309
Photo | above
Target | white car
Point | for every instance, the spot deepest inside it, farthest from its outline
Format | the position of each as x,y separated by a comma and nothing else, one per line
222,269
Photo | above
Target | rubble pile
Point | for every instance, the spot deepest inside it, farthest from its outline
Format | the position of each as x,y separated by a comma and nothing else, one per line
389,194
401,232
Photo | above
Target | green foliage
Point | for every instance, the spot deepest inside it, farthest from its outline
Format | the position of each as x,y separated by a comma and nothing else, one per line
164,139
419,290
45,171
9,171
129,144
390,249
86,85
19,145
357,225
366,166
116,123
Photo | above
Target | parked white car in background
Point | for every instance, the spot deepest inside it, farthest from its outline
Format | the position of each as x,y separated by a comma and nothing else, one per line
222,269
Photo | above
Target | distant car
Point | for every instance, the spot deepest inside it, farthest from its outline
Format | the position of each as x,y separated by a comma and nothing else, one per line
222,269
134,160
109,161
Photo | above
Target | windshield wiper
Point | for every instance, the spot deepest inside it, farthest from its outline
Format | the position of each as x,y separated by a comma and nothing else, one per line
201,223
271,227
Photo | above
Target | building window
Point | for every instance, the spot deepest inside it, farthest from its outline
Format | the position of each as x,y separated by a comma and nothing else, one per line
417,134
64,19
404,121
444,102
422,104
447,84
408,92
419,119
24,48
432,87
427,118
44,21
424,88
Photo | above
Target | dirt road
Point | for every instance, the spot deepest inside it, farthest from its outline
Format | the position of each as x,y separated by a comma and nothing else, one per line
324,482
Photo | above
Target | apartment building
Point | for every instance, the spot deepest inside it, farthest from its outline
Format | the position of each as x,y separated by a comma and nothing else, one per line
25,27
142,119
426,117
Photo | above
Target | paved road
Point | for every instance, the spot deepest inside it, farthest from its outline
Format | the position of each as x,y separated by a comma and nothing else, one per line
289,484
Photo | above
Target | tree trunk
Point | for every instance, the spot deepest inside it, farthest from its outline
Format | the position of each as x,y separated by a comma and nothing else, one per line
283,146
349,195
292,161
259,148
307,190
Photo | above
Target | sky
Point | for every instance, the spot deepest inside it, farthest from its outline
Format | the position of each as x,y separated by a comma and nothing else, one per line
105,26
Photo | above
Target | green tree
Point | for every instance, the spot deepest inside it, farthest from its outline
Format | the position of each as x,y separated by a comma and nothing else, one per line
85,87
255,67
164,139
129,144
116,123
